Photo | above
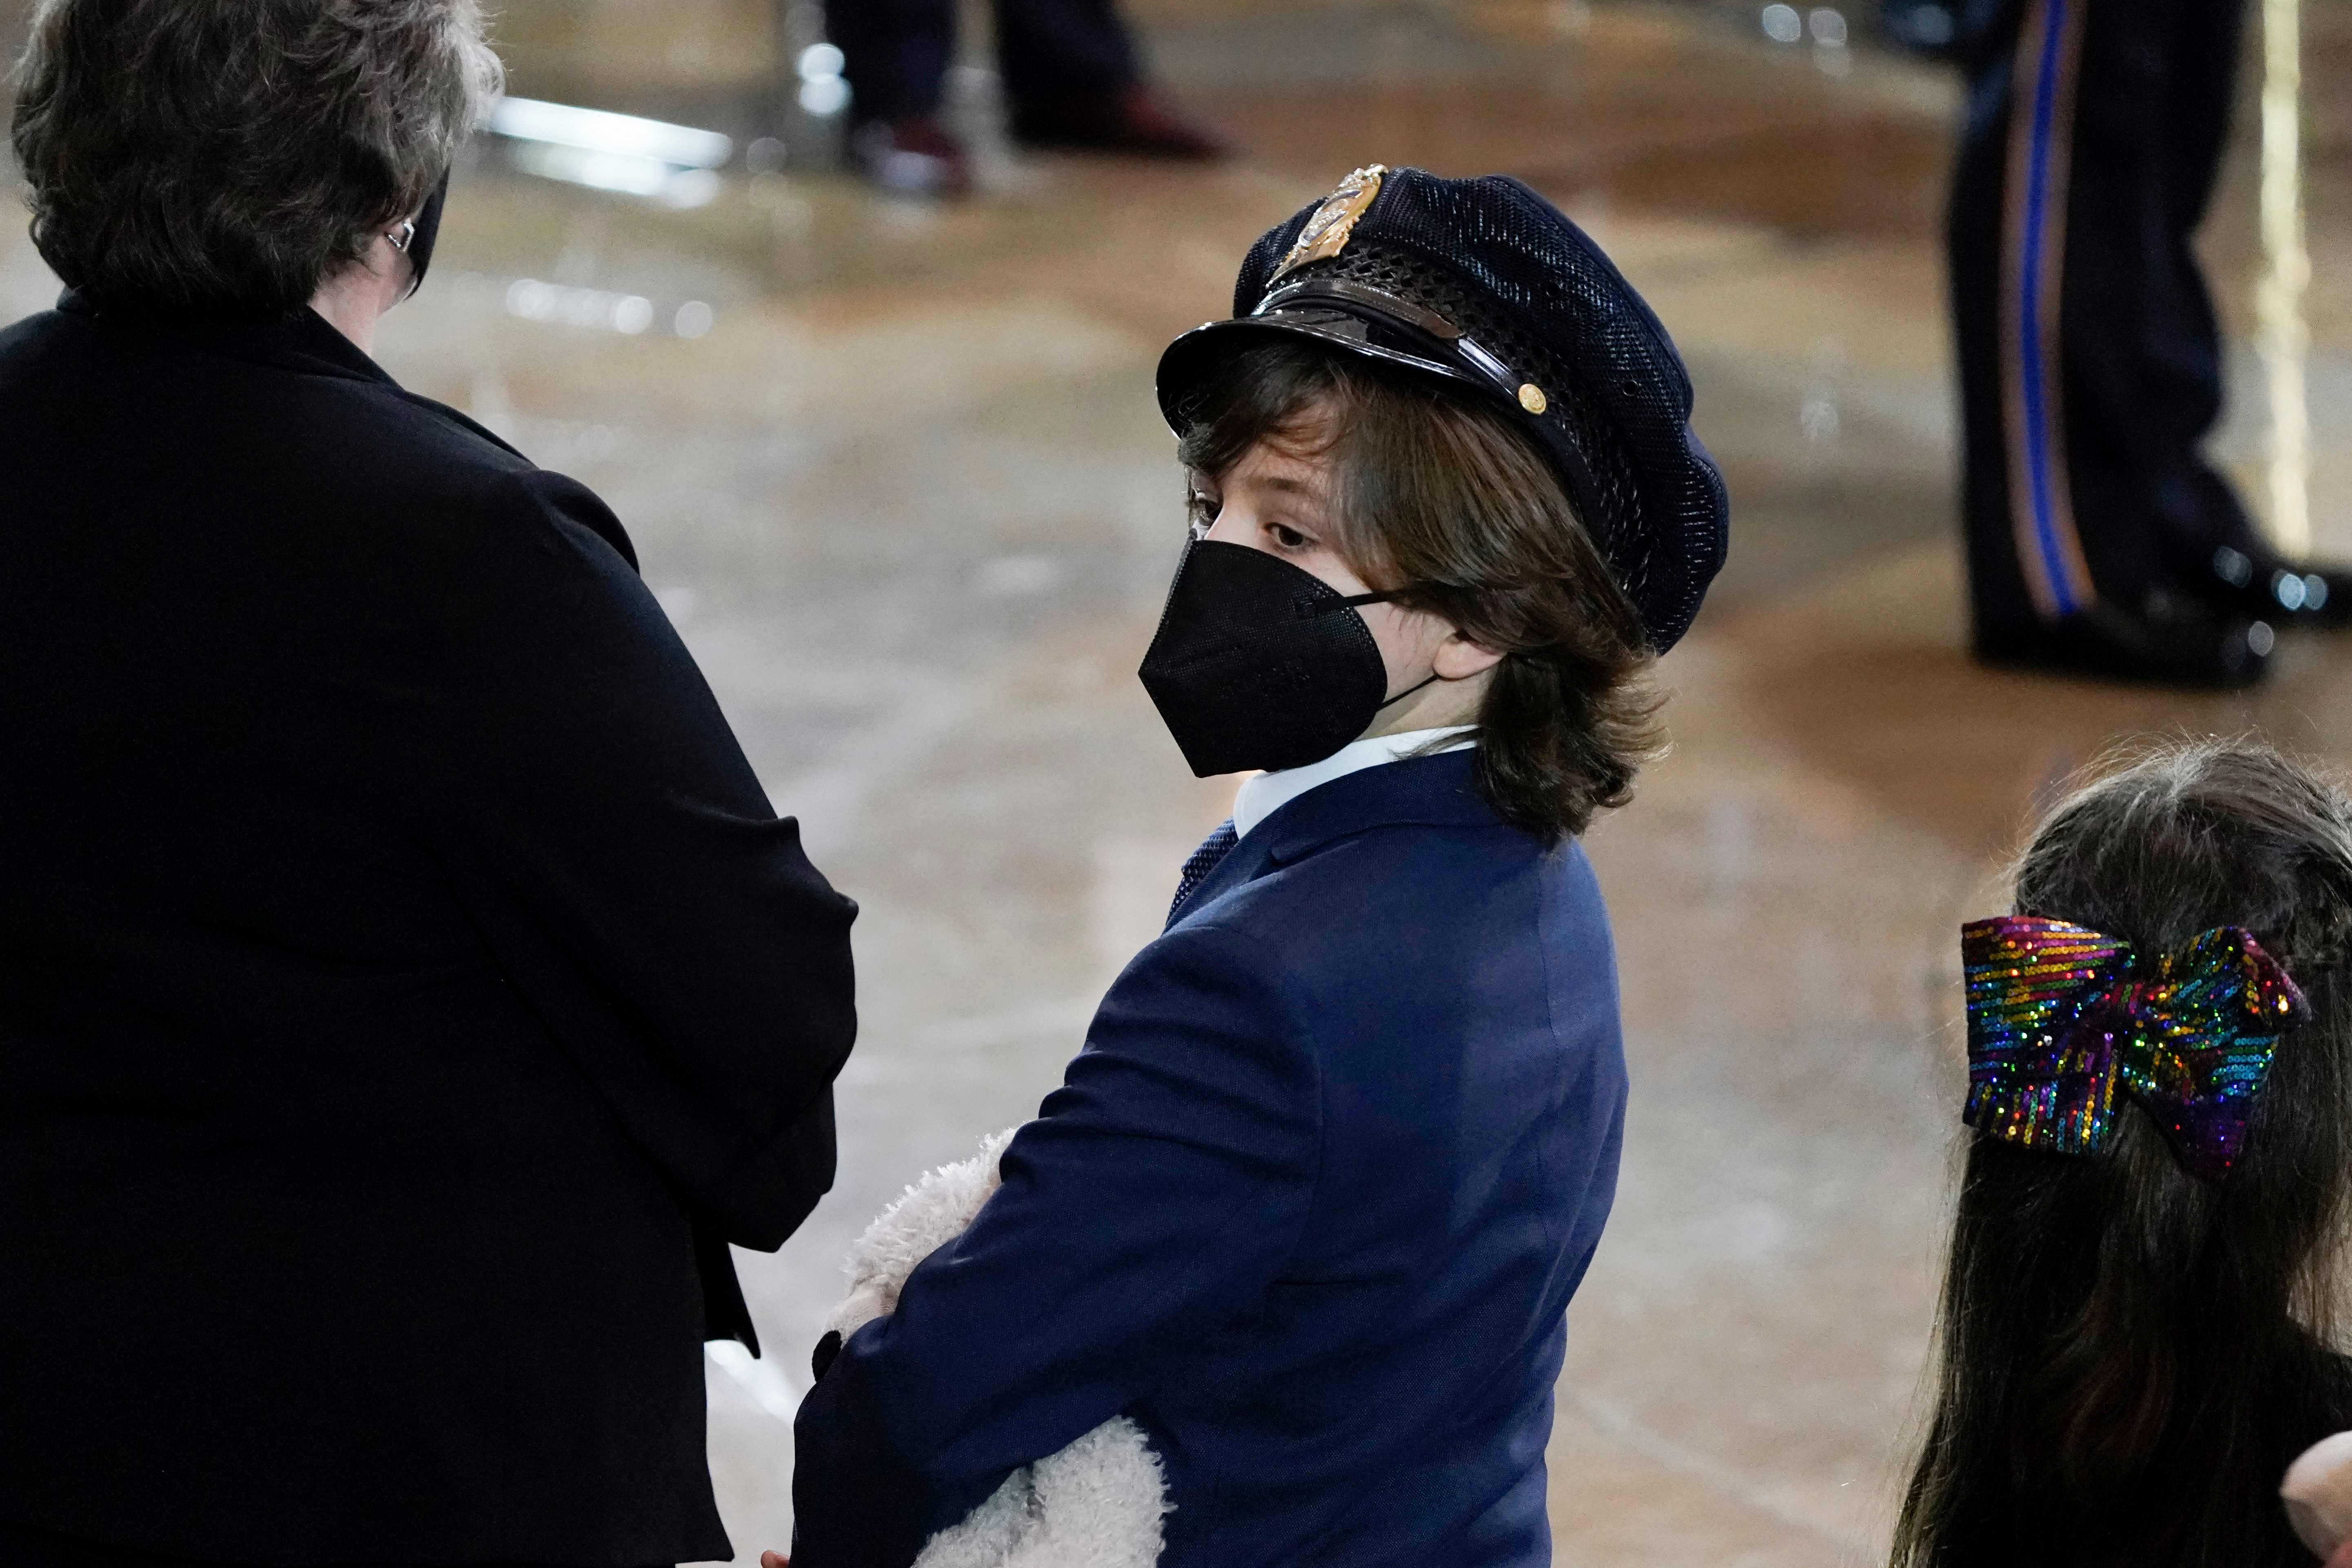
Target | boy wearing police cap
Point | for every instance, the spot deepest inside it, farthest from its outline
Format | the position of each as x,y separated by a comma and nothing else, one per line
1310,1205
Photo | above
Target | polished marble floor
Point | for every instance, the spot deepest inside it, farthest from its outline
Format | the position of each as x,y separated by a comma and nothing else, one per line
908,498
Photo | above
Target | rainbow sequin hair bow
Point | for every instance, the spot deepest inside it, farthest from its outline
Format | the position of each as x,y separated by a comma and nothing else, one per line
2063,1022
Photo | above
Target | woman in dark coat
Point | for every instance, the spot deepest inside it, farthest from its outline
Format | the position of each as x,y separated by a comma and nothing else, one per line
405,989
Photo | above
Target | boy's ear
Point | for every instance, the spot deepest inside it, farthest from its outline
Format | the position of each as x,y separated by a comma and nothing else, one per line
1459,658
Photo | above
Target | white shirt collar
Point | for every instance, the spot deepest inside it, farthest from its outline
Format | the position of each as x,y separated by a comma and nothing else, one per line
1266,794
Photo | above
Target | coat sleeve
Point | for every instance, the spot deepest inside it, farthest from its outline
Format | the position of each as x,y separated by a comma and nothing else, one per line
621,859
1155,1198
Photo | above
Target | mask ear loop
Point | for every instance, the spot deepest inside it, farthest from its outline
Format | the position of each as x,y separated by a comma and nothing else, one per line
1409,691
1350,602
1331,606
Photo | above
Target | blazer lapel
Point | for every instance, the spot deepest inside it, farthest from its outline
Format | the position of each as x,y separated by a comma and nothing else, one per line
1245,861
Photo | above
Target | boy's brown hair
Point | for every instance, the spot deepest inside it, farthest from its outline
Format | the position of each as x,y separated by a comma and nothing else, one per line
1438,496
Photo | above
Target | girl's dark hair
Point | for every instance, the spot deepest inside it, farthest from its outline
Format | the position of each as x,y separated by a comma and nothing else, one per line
1437,495
221,158
2130,1356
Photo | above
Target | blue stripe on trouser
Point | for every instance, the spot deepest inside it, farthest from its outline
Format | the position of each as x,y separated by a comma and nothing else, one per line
2034,369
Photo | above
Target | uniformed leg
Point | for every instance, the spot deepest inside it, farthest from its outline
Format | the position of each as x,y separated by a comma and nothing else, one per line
2141,349
2089,360
1051,50
1999,596
895,53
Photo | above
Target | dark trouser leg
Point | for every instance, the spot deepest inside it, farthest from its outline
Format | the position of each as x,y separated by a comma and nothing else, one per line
2144,352
895,53
1997,592
1054,50
2090,364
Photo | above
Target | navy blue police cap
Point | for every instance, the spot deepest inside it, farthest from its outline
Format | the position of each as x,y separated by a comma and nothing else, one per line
1485,283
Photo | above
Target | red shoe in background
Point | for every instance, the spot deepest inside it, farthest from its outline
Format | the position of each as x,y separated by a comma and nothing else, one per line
914,157
1134,122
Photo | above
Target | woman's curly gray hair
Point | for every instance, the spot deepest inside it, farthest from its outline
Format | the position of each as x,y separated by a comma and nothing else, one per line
220,157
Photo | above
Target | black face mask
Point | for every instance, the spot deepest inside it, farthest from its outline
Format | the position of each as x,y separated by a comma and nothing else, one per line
1258,664
427,231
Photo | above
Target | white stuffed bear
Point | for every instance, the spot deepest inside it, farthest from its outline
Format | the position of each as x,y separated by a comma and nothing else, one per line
2318,1492
1096,1504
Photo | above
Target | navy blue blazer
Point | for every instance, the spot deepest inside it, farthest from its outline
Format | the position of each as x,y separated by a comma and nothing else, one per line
1309,1207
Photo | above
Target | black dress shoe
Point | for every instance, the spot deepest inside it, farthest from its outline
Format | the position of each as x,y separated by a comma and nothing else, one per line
2169,642
2294,595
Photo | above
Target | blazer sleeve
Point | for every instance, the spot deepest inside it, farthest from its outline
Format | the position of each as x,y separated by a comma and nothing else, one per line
618,855
1155,1198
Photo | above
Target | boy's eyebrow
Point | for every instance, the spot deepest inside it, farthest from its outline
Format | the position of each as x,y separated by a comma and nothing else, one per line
1292,486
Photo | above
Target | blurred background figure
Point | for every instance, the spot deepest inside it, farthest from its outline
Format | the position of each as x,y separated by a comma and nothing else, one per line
2101,539
1071,74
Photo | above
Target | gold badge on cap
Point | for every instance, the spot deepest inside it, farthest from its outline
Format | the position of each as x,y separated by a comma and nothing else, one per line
1327,232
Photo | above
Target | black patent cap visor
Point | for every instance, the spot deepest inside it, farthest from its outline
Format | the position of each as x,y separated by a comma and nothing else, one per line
1371,324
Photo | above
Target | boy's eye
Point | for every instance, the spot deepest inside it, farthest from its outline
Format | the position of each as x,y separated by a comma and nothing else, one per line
1199,510
1288,537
